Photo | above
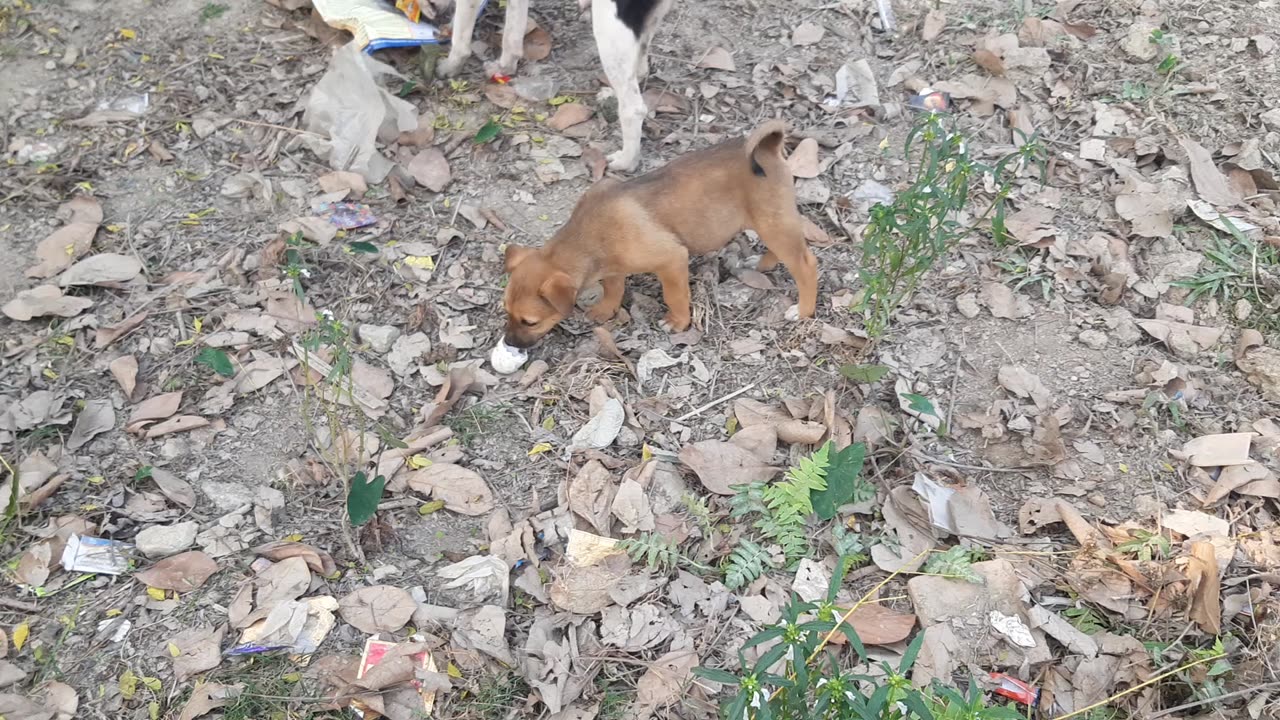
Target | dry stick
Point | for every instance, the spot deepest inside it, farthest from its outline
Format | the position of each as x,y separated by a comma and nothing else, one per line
1139,686
716,402
19,605
1220,698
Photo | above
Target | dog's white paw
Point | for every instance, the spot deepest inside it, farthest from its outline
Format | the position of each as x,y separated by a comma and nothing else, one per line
500,67
792,314
450,66
623,161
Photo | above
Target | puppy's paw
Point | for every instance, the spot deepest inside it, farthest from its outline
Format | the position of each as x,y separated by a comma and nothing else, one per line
600,315
501,66
673,324
623,161
450,66
792,314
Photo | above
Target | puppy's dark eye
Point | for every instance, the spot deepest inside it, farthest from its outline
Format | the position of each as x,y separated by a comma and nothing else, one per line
528,323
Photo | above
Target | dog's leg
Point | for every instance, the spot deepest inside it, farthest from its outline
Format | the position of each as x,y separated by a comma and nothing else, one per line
464,26
513,29
610,300
674,277
784,237
768,261
642,59
619,48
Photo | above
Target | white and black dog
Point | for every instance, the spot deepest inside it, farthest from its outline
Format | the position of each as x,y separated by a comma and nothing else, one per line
622,28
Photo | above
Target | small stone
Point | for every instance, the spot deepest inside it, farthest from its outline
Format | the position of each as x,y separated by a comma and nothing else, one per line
227,496
1138,42
1097,500
1095,339
406,351
1243,309
967,304
1271,117
158,541
379,337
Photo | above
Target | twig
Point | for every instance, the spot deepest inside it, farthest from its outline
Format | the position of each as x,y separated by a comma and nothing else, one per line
19,605
1220,698
276,127
929,458
716,402
1139,686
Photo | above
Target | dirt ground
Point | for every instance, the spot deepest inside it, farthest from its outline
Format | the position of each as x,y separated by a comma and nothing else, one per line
197,182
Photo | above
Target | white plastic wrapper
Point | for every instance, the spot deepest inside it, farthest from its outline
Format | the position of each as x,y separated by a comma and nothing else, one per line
506,359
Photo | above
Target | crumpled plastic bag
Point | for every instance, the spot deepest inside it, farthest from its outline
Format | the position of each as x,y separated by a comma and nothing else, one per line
354,111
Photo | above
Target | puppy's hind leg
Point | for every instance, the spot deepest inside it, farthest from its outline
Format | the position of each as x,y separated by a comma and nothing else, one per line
513,29
464,26
784,238
674,276
619,47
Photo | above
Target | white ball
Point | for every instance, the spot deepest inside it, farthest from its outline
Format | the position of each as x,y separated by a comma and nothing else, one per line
506,359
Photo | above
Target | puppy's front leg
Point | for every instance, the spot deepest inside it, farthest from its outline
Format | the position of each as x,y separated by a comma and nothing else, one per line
675,291
609,301
619,48
464,26
513,30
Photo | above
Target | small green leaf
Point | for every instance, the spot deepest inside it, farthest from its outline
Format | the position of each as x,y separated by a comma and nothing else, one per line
920,404
363,497
864,373
843,480
488,132
217,361
363,247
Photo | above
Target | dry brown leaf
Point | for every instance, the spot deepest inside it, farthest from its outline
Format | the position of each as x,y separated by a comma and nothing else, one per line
751,413
156,408
759,440
107,335
180,573
934,22
430,169
1003,303
97,417
804,159
340,180
664,682
207,697
500,94
720,465
101,269
33,566
71,241
379,608
631,506
876,624
816,236
62,699
665,101
1024,384
590,495
1216,450
1209,181
592,566
174,488
462,489
181,423
537,44
199,650
125,371
1190,523
568,115
42,301
807,34
717,58
317,560
1206,602
989,61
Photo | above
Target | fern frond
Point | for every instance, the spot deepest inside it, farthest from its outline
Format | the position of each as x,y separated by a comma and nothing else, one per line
654,551
747,499
745,563
698,510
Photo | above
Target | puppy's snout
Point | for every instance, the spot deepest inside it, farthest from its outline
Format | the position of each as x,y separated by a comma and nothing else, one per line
516,340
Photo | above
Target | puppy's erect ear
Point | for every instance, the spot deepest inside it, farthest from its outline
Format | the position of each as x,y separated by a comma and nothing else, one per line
559,290
516,255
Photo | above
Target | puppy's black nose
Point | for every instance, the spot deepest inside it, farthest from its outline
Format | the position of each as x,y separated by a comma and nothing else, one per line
518,342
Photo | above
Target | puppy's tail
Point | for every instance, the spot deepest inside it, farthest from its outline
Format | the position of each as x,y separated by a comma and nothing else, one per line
764,146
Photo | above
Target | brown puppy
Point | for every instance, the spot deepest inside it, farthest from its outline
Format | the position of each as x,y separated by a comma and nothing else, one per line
652,224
